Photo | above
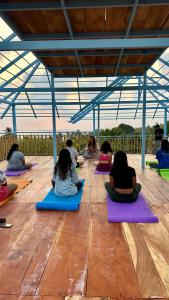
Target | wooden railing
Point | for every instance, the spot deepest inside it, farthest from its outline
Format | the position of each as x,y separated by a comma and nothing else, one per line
42,145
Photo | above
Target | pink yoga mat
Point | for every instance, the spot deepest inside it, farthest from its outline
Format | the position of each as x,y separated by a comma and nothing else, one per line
19,172
100,172
136,212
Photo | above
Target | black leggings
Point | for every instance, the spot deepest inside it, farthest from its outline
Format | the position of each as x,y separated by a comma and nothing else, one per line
78,185
122,198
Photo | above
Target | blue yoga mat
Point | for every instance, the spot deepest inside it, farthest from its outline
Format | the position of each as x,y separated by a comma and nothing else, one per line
53,202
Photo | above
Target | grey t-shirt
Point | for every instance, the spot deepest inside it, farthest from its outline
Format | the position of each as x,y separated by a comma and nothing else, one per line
73,155
16,161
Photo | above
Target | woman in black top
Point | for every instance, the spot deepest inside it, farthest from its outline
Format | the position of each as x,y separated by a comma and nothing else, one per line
123,186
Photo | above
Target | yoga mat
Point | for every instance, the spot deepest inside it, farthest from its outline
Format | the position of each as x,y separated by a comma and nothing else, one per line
100,172
19,172
164,173
148,162
136,212
53,202
21,185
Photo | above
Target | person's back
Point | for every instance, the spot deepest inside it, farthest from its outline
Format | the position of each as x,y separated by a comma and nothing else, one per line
65,179
16,161
67,186
105,157
123,178
163,155
73,154
123,186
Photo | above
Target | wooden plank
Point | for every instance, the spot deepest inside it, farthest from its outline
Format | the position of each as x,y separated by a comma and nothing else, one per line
107,254
66,271
18,215
20,258
157,239
149,279
38,298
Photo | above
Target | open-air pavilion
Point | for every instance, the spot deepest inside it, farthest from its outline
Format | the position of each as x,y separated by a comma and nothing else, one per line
96,61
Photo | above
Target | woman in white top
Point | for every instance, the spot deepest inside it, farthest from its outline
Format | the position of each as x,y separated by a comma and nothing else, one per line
16,160
65,180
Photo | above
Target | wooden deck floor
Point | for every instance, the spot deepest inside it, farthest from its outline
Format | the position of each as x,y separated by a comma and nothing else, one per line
53,255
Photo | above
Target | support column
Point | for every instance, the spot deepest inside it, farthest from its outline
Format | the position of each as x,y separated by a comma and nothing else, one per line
54,120
98,123
165,123
14,119
94,121
144,121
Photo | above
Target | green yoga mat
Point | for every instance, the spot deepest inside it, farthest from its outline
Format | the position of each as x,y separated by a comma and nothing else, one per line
164,173
151,161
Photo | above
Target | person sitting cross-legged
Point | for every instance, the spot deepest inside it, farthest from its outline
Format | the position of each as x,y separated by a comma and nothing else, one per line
6,190
123,186
162,156
16,160
65,180
105,158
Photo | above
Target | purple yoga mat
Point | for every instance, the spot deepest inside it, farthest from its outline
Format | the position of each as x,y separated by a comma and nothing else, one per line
19,172
137,212
100,172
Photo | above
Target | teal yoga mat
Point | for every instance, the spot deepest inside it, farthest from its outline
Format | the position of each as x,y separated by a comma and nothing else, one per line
53,202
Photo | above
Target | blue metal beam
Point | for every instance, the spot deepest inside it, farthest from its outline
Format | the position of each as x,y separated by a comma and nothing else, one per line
98,99
163,61
71,33
85,44
29,101
127,52
165,123
74,4
54,121
18,74
102,66
14,61
159,74
73,103
85,89
139,96
94,122
50,84
14,120
22,86
144,123
133,12
94,35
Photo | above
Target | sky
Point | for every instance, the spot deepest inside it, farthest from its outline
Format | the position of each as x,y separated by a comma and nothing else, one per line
62,124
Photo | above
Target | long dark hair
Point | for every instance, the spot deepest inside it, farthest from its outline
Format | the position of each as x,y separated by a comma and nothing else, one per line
15,147
120,161
63,166
106,147
93,143
165,146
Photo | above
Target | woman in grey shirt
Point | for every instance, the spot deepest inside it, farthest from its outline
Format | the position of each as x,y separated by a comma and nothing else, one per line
65,180
16,160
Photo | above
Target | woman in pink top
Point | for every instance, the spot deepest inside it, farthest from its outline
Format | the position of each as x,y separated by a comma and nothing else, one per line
105,158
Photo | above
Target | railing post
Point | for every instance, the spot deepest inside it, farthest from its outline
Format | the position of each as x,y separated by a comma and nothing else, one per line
144,121
165,123
54,120
94,120
14,119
